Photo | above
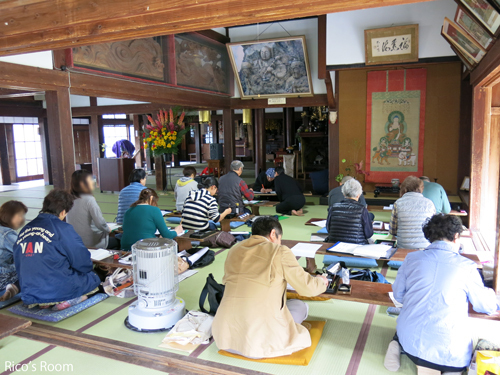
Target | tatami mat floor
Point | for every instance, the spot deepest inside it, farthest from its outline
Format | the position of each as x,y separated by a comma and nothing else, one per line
353,342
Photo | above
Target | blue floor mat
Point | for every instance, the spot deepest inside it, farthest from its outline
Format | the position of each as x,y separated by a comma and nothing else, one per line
55,316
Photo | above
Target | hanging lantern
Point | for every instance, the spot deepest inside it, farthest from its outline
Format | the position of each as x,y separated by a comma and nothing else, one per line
247,116
205,117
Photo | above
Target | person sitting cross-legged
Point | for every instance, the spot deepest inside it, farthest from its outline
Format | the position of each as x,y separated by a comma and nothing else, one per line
201,211
232,188
53,264
349,220
143,219
184,186
435,287
129,194
254,318
12,216
409,213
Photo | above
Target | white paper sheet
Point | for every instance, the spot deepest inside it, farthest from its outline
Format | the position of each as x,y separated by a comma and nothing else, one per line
250,202
315,237
320,224
307,250
188,273
373,251
387,226
113,226
389,208
344,247
396,303
99,254
164,212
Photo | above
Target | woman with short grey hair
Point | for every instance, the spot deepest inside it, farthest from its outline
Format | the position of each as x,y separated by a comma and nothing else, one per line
349,220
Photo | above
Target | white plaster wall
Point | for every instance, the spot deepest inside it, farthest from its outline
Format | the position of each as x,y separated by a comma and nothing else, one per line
38,59
307,27
345,31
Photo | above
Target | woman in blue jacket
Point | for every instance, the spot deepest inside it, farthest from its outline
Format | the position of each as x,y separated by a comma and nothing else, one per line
52,263
12,215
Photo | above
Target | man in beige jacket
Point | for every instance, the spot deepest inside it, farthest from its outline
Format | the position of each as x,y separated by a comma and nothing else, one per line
254,318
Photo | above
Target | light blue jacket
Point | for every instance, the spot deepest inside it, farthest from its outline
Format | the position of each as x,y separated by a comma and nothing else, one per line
437,195
435,287
8,237
128,195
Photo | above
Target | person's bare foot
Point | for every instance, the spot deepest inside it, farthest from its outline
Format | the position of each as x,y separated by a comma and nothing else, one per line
297,213
10,291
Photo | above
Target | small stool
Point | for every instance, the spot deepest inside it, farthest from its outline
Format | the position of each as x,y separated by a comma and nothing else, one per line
192,156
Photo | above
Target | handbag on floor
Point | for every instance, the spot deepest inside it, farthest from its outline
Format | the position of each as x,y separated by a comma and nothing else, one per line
214,292
367,275
221,239
120,284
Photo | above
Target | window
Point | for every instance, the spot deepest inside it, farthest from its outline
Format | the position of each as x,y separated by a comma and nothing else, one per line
119,116
28,151
112,134
209,134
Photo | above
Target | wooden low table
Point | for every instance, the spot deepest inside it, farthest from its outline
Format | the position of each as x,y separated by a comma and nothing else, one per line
399,255
255,207
378,294
111,263
225,224
10,325
375,208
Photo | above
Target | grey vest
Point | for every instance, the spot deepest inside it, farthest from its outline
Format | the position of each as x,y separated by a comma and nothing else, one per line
413,209
345,222
229,192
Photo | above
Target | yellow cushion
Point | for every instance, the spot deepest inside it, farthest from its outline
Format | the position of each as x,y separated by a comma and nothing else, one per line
300,358
291,295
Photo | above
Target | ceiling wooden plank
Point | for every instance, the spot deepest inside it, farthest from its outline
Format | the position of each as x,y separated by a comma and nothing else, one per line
61,24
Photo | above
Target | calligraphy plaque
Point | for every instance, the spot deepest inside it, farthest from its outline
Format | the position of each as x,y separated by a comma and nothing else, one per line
391,45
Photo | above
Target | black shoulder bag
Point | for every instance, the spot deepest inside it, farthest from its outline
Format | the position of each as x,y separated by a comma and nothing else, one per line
214,291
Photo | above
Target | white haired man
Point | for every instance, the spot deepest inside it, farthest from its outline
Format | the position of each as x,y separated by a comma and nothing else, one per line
349,220
232,188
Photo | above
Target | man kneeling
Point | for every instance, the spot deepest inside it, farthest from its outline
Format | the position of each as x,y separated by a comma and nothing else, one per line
53,265
254,318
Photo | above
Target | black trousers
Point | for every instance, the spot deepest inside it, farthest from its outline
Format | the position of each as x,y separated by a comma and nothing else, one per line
424,363
293,202
113,243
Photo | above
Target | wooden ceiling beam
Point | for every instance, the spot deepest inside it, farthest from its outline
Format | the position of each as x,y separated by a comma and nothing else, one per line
14,76
9,93
307,101
51,24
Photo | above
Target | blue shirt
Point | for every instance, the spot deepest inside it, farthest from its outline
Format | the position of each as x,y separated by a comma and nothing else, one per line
128,195
437,195
52,262
435,287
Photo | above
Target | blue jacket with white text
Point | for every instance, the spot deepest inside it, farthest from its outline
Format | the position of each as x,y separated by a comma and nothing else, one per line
52,262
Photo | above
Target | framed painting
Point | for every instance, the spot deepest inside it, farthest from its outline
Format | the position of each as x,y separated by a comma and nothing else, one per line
391,45
271,68
484,12
473,28
140,58
459,38
467,61
202,63
395,123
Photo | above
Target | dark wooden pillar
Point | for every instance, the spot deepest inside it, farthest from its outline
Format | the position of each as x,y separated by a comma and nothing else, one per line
96,135
4,156
229,138
160,173
44,138
62,147
197,142
289,120
333,141
215,131
260,141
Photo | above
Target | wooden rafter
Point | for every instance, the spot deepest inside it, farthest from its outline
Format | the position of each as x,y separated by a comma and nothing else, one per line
34,25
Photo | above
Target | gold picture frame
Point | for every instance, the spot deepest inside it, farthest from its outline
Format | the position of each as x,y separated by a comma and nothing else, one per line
391,45
456,36
271,68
